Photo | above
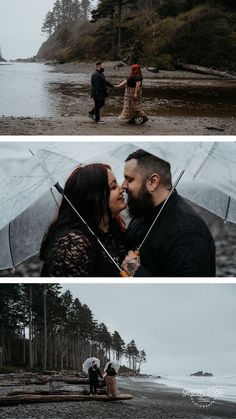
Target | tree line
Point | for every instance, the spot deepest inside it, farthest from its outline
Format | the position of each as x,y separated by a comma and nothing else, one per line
158,33
42,328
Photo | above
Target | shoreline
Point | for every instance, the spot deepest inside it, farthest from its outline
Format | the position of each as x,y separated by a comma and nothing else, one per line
172,123
148,402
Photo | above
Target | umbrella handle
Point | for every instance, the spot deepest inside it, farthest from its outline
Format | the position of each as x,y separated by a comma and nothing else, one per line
124,274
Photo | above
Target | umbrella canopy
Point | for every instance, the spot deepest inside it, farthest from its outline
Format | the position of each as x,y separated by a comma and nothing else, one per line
29,202
29,205
88,363
114,364
209,179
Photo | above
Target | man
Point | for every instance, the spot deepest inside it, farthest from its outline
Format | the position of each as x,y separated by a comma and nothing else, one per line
94,372
99,91
179,244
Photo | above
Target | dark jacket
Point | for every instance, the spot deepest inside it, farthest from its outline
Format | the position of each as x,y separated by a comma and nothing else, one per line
93,374
99,86
111,372
179,245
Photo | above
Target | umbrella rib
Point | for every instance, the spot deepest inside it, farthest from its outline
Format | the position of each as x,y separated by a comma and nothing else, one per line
10,247
202,164
54,197
227,209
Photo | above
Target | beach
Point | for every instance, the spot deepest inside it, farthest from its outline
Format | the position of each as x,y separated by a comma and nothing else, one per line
171,115
148,402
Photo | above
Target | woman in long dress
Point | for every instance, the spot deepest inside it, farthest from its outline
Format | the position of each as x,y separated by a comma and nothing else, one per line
132,111
111,384
68,247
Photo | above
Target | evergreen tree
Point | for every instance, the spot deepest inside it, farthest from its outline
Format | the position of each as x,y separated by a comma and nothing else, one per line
118,345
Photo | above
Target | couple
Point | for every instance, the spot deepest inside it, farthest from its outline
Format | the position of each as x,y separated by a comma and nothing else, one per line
132,111
179,244
109,375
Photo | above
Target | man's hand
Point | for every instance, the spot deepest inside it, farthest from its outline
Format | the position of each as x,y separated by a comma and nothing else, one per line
131,263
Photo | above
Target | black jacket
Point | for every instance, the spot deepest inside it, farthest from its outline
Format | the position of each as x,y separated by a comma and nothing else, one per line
93,374
99,86
179,245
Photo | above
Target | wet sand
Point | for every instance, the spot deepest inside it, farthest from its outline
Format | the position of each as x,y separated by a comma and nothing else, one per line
149,402
82,125
170,122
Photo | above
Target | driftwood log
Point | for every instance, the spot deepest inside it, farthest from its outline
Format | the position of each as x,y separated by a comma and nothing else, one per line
26,398
41,380
100,391
205,70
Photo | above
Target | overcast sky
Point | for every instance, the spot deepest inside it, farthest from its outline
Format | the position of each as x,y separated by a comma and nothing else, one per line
183,328
20,29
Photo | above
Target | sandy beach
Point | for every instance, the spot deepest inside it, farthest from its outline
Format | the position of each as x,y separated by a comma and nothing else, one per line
149,402
81,125
172,123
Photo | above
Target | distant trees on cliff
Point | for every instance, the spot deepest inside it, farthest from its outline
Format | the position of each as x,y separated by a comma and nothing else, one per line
65,12
157,33
42,328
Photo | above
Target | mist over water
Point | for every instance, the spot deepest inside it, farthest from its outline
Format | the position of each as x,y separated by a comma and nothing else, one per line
35,90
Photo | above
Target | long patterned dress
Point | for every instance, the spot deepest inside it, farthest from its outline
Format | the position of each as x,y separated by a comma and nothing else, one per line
132,107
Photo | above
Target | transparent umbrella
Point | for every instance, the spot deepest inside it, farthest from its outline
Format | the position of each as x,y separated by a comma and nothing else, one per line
28,206
209,178
114,364
89,362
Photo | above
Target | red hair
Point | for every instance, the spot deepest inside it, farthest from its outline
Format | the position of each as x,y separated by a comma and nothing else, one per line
136,70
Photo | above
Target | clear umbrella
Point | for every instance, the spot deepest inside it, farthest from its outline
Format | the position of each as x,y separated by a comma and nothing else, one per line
209,178
114,364
28,206
89,362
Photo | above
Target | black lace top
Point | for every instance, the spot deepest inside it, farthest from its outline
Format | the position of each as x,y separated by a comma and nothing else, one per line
73,252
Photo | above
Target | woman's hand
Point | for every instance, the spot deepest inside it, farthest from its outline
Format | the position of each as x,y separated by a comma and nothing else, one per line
135,96
131,263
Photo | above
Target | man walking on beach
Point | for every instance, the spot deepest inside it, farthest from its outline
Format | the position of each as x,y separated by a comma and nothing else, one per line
99,91
180,243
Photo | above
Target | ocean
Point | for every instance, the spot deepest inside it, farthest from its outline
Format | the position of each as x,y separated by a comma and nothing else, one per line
219,387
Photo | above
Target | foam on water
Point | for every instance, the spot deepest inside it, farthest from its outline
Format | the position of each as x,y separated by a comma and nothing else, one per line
225,384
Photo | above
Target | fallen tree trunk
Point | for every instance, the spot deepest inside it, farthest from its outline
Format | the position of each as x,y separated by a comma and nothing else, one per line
47,379
100,391
28,399
205,70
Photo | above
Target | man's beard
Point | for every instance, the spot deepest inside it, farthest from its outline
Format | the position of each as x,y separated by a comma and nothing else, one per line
140,205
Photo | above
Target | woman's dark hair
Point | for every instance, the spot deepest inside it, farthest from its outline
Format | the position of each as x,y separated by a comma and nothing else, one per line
88,190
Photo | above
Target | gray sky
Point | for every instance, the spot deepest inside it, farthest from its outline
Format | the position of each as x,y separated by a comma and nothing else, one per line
183,328
20,29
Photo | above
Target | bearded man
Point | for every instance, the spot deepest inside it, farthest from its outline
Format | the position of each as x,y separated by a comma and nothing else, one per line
99,91
180,244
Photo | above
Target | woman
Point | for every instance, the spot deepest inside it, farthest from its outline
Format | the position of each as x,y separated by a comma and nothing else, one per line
68,248
111,384
132,111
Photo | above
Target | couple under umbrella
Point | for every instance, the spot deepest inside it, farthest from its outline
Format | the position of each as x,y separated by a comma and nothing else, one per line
91,367
179,243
